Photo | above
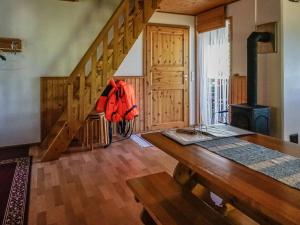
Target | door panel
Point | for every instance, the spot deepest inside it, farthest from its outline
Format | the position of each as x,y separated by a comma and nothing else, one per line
166,77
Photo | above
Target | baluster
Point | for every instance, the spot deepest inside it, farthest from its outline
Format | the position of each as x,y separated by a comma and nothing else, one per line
105,59
70,114
136,19
116,45
126,26
147,10
155,4
82,96
93,78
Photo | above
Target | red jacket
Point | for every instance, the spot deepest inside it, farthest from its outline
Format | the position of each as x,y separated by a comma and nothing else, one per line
118,102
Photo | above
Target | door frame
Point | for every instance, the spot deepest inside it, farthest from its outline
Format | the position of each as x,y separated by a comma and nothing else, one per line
146,75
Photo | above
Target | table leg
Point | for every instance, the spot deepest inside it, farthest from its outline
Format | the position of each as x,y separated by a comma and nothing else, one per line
184,176
188,179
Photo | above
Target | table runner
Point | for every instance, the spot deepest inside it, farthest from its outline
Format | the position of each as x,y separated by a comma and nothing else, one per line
277,165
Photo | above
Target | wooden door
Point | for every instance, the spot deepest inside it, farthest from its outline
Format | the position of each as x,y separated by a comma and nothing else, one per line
167,60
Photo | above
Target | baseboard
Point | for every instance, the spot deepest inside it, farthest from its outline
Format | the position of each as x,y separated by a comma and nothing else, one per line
12,147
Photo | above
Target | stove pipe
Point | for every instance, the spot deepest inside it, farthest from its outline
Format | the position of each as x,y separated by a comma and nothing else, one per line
252,64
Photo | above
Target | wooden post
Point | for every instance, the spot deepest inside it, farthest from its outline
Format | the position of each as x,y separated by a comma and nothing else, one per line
135,19
126,26
94,85
116,45
70,116
81,96
105,59
147,10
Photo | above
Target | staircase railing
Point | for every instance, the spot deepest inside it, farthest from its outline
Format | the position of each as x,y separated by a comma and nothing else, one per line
97,66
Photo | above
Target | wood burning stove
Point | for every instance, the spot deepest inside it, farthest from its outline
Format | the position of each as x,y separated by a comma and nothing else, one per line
251,116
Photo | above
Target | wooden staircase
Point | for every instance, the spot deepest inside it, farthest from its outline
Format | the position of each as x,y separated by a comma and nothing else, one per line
96,67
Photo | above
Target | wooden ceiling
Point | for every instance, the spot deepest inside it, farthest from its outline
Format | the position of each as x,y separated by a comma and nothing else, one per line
190,7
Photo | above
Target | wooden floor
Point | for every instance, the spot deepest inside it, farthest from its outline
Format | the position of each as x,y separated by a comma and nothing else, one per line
89,187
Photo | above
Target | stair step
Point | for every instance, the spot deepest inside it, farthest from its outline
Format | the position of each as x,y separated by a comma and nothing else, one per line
53,133
35,151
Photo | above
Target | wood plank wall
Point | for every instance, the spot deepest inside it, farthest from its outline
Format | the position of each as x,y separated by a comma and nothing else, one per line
238,89
54,98
138,83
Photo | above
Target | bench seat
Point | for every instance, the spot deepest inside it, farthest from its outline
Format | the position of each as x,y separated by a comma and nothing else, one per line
167,204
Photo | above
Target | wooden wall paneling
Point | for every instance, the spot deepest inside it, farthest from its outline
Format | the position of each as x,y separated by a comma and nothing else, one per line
138,84
238,89
54,98
191,7
53,94
211,20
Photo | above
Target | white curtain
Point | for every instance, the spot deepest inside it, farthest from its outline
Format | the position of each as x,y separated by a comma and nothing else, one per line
214,67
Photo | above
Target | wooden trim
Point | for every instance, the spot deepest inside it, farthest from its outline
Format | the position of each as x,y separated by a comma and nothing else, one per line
145,34
197,78
175,13
188,72
211,19
54,77
22,146
128,76
169,25
231,42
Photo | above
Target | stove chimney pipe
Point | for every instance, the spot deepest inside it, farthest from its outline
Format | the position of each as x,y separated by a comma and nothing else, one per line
252,64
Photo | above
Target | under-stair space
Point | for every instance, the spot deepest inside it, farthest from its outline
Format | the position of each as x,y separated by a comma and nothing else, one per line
87,81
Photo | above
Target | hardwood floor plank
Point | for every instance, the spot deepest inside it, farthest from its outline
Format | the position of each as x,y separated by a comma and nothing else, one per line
89,188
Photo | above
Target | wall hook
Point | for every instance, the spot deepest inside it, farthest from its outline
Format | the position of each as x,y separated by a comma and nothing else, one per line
2,56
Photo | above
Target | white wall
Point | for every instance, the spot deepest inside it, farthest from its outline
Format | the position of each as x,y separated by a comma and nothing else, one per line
291,66
133,63
246,14
55,35
243,22
269,67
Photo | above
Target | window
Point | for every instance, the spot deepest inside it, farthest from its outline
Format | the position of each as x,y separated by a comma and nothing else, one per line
214,64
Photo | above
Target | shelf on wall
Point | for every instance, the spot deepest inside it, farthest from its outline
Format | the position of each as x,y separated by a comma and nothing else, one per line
10,45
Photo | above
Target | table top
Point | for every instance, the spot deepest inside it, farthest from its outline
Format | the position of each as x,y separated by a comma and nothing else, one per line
264,199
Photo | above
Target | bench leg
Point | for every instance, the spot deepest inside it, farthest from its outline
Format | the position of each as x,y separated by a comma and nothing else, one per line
146,218
185,177
188,179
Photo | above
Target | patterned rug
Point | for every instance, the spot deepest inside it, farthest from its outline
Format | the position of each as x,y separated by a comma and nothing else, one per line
280,166
14,183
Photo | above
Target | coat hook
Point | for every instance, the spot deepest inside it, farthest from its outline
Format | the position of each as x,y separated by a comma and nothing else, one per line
2,56
14,47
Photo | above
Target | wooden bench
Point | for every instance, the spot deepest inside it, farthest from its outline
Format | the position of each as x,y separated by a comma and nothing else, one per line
168,204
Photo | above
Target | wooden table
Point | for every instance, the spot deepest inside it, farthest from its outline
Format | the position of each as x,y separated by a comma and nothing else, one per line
260,197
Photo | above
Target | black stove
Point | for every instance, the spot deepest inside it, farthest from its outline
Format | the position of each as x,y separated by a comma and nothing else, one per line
252,116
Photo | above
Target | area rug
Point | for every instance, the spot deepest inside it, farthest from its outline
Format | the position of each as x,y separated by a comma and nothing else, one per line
277,165
14,190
